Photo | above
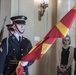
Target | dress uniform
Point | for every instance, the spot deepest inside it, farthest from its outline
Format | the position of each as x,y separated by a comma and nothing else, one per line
16,50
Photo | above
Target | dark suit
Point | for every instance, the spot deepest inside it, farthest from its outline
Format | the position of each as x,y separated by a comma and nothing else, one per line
75,60
15,51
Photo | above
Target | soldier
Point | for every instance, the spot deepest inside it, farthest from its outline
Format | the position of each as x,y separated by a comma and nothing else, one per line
10,31
18,47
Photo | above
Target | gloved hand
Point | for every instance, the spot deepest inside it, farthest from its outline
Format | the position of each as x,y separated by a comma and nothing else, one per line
24,63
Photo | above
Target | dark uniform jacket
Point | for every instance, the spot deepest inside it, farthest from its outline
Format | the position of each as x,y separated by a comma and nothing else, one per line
14,52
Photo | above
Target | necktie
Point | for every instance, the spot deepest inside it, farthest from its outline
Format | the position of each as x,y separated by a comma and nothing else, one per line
20,39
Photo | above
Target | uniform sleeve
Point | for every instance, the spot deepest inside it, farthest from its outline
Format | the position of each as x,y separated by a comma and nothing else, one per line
29,45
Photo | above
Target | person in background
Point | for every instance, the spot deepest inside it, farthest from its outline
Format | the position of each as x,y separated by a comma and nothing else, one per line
10,32
75,60
18,47
10,29
65,57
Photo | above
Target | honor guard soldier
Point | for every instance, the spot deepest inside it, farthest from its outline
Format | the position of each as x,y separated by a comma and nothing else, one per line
18,47
3,53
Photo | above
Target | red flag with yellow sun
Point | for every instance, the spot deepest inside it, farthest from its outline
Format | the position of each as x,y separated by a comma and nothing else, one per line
60,30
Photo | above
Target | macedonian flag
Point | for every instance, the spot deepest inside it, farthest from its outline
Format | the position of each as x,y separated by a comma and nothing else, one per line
60,30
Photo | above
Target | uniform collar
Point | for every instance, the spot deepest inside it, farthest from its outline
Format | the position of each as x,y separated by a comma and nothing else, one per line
17,36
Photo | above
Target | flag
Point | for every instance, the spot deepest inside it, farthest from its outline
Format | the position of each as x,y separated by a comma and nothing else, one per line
60,30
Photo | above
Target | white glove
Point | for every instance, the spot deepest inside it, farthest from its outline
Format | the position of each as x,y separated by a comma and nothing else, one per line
24,63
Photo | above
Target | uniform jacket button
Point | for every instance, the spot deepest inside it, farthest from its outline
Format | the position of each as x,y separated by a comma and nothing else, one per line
21,54
13,48
23,38
21,49
27,49
8,67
